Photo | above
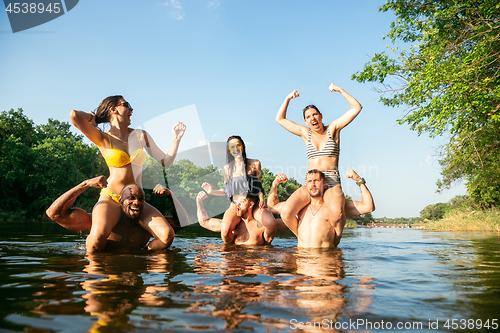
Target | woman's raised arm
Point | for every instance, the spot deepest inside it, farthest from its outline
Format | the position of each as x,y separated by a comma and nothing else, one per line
287,124
85,122
352,113
166,159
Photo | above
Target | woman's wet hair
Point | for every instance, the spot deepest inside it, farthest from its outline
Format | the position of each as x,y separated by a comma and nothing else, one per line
103,111
230,157
310,106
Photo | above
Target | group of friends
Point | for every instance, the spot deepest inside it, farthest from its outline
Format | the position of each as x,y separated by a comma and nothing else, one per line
122,220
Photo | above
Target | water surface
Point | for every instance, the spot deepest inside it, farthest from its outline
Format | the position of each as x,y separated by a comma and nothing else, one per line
377,280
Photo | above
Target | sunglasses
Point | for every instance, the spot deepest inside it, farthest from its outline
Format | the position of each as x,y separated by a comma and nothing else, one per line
231,148
126,104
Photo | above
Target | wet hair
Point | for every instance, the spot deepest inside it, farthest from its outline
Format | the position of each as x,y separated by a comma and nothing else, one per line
102,113
127,186
253,198
310,106
230,157
316,172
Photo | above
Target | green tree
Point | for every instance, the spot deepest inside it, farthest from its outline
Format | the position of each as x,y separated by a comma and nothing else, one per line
435,211
449,79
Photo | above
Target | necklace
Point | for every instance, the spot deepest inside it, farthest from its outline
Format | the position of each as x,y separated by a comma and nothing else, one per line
314,214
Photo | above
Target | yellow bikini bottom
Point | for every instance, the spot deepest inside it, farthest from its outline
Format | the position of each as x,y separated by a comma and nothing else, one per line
110,194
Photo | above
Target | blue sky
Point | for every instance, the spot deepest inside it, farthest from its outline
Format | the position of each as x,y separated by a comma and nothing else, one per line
230,64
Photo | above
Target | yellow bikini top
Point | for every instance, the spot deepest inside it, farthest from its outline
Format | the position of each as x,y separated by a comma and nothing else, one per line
117,158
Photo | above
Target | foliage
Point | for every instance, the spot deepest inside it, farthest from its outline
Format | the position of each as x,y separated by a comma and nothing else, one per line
449,80
39,163
468,219
435,211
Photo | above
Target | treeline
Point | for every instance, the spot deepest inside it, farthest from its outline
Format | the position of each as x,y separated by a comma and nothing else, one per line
40,162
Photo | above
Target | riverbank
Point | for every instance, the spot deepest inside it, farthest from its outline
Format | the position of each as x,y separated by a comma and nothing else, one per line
467,219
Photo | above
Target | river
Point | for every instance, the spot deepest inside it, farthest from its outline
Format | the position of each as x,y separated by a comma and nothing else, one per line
377,280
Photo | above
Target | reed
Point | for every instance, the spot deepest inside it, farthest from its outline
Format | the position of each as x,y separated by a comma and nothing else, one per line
468,219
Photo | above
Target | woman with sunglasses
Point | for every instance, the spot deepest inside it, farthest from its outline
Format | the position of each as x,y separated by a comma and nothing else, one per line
322,149
122,149
241,174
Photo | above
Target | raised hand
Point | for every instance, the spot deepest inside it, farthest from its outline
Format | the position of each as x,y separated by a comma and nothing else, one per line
293,94
207,187
281,178
201,196
334,87
353,175
178,131
161,190
100,182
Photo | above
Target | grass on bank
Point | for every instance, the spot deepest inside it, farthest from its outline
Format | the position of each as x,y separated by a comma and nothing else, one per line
467,219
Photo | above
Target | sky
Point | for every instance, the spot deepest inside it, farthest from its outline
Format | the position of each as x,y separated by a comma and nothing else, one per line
224,67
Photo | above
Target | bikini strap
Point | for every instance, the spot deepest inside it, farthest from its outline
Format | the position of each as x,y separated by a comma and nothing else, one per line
110,145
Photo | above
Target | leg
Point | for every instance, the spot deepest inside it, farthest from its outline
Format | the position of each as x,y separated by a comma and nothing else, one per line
156,224
105,216
335,199
292,207
229,223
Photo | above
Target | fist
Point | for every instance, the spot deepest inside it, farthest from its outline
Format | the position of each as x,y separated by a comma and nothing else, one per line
353,175
201,196
293,94
207,187
334,87
281,178
161,190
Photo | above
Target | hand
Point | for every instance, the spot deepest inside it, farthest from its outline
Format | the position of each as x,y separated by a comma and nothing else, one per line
281,178
207,187
334,87
161,190
293,94
353,175
178,131
98,182
262,204
201,196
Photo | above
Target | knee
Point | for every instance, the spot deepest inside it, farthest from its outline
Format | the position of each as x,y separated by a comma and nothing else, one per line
337,212
95,244
287,213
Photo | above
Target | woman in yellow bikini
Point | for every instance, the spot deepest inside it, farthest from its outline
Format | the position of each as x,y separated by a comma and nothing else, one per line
124,168
322,149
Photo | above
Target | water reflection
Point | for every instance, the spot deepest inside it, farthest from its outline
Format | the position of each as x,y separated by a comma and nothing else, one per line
250,283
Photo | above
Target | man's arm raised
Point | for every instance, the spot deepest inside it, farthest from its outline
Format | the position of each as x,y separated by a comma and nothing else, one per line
366,205
75,219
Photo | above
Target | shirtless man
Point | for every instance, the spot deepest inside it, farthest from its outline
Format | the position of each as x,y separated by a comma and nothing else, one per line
127,235
314,227
247,232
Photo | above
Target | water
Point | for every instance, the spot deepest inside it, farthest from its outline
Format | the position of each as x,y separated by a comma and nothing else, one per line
378,280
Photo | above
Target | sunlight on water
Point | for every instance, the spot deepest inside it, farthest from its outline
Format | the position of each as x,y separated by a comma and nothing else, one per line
390,276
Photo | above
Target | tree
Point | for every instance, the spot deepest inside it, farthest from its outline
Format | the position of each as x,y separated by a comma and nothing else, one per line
435,212
449,80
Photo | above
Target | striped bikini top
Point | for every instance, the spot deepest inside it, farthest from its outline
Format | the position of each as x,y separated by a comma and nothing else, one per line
331,149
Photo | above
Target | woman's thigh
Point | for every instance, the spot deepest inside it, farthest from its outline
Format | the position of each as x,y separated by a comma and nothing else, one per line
105,215
298,200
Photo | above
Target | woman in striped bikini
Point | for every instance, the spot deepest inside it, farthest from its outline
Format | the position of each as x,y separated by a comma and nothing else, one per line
122,149
322,148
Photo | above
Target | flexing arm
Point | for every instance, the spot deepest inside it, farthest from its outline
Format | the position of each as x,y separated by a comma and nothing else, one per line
287,123
85,122
166,160
205,221
273,204
366,205
74,218
352,113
